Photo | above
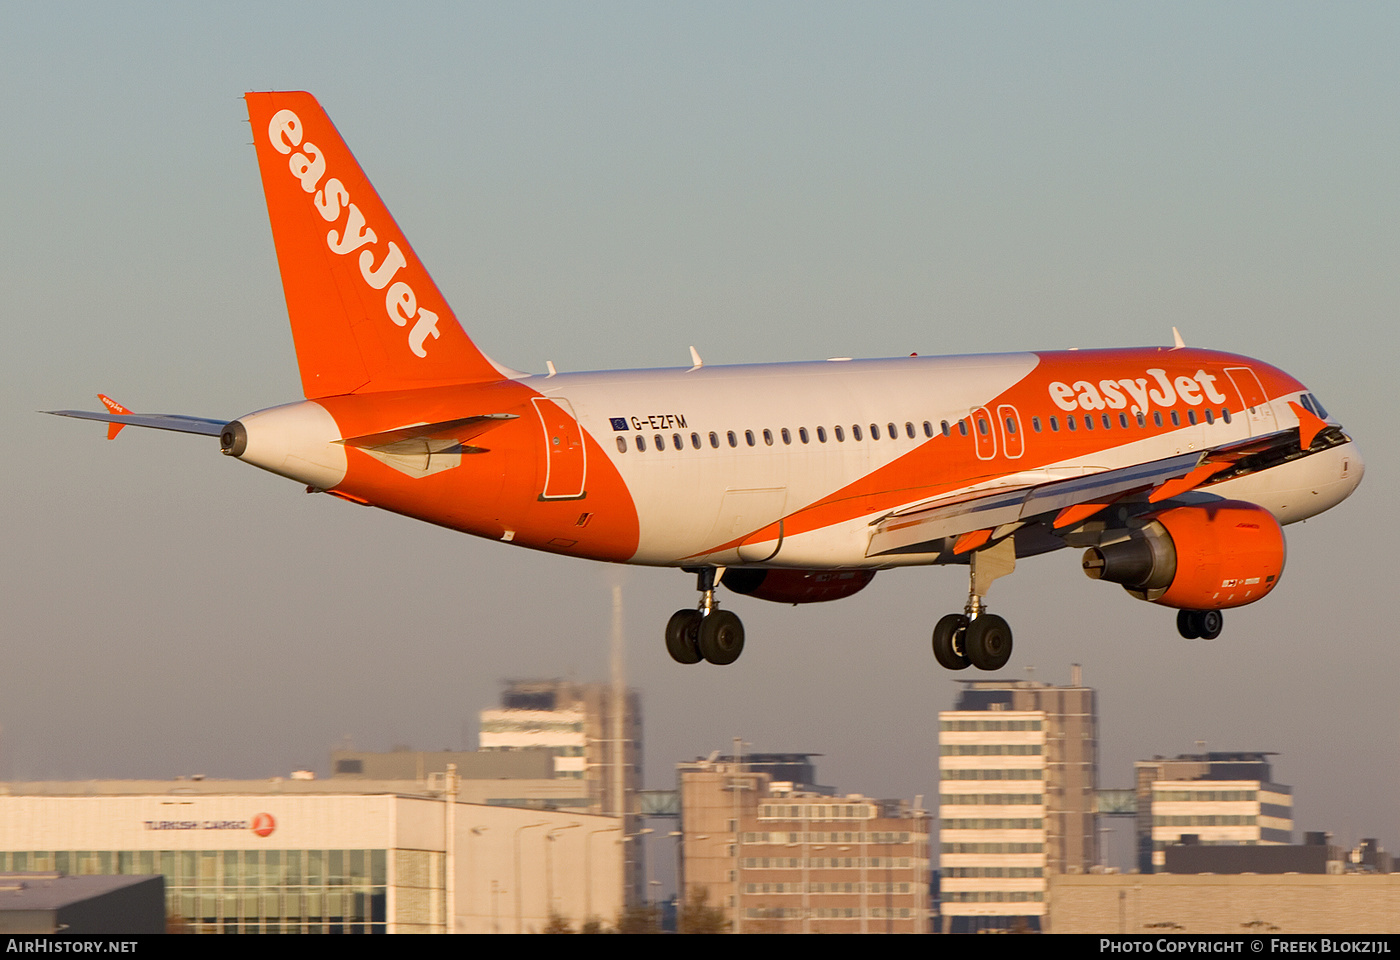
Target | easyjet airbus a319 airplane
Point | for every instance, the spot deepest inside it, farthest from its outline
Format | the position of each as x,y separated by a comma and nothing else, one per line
1172,468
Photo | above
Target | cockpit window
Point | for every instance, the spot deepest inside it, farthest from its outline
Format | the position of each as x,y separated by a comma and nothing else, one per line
1318,408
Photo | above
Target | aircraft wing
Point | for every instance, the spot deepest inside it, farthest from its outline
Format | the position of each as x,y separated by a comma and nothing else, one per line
156,421
974,517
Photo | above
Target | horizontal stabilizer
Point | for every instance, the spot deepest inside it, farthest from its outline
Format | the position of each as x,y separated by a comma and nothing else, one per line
156,421
443,432
423,449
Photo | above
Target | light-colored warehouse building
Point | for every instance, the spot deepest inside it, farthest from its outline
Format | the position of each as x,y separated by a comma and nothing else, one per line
305,856
1261,905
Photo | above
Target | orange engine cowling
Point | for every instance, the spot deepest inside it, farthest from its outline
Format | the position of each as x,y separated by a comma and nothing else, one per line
1203,557
796,586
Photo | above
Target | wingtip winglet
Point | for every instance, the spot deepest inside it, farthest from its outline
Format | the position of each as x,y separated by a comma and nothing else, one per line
113,407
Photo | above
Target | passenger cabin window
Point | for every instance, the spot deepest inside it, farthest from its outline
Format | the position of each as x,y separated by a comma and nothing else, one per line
1176,419
733,440
714,440
768,436
1157,418
1191,417
787,437
928,428
677,442
840,435
748,438
641,443
695,440
660,442
1210,416
621,444
821,434
982,426
1054,424
1107,422
802,435
962,427
1088,421
855,431
893,434
1035,424
1123,420
1071,424
1225,415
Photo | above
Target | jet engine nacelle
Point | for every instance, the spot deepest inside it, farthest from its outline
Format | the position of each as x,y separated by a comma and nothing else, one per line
1202,557
796,586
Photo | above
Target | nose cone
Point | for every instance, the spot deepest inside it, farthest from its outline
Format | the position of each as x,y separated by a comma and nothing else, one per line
1353,467
296,441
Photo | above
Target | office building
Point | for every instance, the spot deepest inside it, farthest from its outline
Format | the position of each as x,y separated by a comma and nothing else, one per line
1018,772
781,857
593,731
1210,798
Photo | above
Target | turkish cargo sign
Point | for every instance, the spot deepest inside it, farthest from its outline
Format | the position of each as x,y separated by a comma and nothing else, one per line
263,824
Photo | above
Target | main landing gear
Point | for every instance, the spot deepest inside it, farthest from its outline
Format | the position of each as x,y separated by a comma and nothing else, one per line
707,633
1200,624
976,638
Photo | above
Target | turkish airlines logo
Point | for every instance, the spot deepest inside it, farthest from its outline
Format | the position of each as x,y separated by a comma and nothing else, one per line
263,824
308,165
1142,392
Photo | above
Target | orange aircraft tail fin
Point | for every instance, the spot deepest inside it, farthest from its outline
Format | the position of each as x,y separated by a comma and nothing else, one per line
365,314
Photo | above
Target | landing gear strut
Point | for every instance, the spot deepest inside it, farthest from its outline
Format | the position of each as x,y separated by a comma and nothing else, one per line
1200,624
706,633
975,637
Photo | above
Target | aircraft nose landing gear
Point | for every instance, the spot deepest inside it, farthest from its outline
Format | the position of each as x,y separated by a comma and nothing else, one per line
707,633
977,638
1200,624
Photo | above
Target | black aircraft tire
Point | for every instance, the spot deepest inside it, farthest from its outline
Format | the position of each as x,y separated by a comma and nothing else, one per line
988,642
683,636
721,638
1210,623
949,646
1186,624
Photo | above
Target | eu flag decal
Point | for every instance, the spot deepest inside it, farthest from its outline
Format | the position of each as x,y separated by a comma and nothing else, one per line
619,423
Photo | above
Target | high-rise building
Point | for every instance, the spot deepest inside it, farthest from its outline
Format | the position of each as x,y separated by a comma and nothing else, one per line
1209,798
594,731
788,857
1018,772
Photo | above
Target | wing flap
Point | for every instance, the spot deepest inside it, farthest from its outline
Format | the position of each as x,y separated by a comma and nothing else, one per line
933,522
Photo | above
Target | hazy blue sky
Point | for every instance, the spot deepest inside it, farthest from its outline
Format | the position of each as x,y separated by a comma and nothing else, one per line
602,185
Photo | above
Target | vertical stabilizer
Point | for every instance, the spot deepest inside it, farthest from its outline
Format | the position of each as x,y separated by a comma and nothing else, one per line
365,314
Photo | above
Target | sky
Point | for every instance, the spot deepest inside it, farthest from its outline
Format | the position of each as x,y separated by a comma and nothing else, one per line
603,185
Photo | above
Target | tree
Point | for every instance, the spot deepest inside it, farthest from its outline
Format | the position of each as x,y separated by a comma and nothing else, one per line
639,918
557,924
697,916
